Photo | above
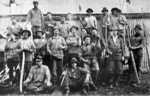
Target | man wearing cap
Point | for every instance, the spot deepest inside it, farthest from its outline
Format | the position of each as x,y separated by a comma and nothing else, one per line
76,78
55,46
90,21
64,27
27,45
73,43
35,16
14,28
137,43
11,57
40,41
49,25
39,77
105,23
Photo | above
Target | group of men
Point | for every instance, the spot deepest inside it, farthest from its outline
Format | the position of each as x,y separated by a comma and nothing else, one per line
76,59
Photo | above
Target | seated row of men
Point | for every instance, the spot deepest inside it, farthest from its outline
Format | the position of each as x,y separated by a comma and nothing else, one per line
87,48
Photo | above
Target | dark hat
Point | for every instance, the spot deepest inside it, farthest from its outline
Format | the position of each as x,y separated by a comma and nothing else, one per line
104,9
35,2
74,27
74,60
39,57
85,29
86,36
23,31
89,10
40,30
15,34
138,26
116,9
49,13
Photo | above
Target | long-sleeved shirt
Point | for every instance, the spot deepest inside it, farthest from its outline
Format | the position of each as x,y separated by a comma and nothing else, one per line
77,73
39,43
39,74
90,21
70,43
54,44
116,47
12,49
27,44
35,16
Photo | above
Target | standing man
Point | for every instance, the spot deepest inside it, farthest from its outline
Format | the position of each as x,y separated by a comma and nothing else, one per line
105,23
90,21
49,25
35,16
118,22
115,68
11,57
27,45
39,77
74,44
137,42
55,46
64,27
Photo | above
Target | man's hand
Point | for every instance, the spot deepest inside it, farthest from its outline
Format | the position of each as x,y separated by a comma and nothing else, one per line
123,58
64,73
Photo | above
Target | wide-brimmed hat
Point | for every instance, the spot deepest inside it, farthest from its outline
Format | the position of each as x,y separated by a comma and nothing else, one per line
138,26
74,27
23,31
35,2
89,10
104,9
116,9
74,60
40,30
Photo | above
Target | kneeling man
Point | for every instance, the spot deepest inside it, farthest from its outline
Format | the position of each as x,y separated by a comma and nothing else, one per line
39,77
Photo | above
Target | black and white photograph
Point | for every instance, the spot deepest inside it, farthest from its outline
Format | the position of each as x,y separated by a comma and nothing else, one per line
74,47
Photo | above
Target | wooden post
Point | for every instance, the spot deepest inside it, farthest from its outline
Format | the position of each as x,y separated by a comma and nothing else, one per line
134,67
22,71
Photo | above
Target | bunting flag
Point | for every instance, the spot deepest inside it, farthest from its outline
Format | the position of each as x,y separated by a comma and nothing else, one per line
128,1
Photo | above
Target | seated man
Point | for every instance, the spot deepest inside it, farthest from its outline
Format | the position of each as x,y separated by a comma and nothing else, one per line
39,77
75,77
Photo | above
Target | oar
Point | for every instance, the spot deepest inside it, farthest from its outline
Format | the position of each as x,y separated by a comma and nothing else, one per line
22,71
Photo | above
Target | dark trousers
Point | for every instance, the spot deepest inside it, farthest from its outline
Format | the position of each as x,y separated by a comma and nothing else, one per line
115,69
57,65
34,29
11,63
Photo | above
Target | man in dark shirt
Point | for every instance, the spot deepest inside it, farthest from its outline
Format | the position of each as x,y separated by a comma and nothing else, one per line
136,46
76,77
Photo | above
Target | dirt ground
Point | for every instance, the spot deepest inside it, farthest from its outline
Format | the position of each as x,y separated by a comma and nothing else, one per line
123,89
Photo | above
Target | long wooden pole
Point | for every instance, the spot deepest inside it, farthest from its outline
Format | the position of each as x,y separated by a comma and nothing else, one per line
22,71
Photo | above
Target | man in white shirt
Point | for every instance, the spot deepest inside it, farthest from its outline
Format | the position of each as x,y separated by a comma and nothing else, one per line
90,21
